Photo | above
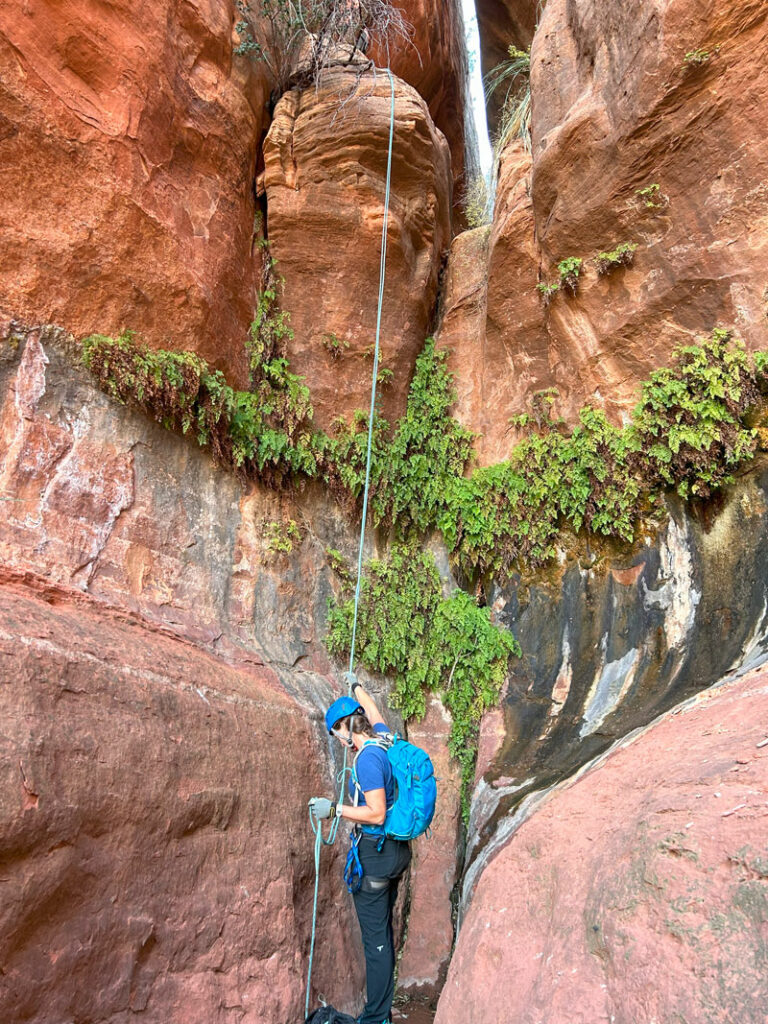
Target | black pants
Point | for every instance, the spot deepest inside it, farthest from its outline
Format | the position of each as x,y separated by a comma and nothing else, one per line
374,902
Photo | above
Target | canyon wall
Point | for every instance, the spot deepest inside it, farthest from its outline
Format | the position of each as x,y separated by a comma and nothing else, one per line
155,845
162,621
145,132
634,139
612,639
148,132
646,131
163,686
162,668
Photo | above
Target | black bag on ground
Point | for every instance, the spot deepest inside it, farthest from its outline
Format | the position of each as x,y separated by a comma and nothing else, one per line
327,1015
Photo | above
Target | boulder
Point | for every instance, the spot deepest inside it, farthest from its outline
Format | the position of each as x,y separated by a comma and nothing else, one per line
637,892
326,160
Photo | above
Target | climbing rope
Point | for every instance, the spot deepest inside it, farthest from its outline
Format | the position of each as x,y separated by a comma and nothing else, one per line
382,272
316,827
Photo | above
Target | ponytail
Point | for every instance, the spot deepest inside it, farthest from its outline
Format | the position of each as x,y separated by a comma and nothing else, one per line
359,724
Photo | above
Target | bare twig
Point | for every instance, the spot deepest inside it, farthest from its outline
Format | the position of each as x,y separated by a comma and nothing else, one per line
297,42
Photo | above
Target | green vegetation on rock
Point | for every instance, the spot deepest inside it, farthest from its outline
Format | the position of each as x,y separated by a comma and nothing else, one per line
698,57
570,270
448,646
651,197
513,75
547,290
622,256
281,536
259,433
334,345
477,199
690,431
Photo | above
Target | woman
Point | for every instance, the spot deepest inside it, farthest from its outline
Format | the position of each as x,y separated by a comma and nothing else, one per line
357,724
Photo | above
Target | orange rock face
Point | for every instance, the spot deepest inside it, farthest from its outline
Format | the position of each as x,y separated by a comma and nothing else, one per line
435,64
129,144
492,322
637,892
633,142
618,108
325,181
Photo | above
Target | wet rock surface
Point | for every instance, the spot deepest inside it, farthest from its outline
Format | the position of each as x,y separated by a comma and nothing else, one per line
611,642
638,891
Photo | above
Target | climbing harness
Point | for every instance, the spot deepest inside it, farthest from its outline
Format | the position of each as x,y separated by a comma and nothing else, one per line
316,826
353,869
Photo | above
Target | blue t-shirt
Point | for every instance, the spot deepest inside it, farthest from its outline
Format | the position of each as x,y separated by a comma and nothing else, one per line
373,771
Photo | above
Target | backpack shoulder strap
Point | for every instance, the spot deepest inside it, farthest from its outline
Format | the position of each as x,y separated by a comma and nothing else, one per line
383,742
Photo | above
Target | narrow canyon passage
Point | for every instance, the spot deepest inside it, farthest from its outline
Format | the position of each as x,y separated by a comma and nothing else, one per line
563,596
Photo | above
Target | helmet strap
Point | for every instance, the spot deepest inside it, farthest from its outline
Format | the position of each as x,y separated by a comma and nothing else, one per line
346,740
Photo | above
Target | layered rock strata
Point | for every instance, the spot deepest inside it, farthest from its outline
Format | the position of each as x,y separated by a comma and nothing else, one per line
326,162
638,891
145,134
647,132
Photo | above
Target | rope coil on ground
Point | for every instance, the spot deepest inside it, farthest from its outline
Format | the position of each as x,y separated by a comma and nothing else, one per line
316,825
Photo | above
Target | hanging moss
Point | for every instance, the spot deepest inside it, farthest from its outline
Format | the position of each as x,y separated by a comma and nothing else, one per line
428,643
690,431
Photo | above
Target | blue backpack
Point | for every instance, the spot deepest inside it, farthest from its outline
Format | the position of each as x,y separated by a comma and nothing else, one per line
415,788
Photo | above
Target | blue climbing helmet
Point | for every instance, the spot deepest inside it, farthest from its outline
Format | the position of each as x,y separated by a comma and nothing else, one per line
340,709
